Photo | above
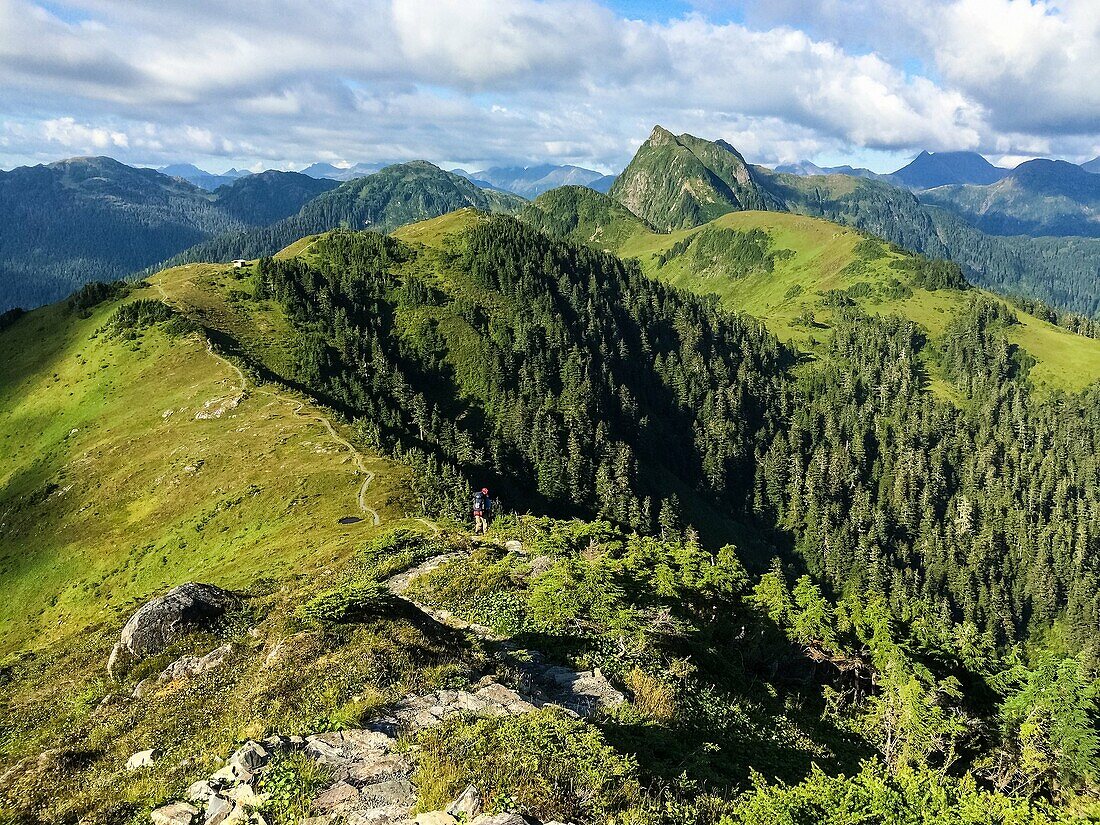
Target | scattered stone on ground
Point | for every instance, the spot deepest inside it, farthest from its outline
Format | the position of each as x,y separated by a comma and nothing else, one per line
187,666
141,759
160,622
143,688
435,818
178,813
467,805
217,407
587,693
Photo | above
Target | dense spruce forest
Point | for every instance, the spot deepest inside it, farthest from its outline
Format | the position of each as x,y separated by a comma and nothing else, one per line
580,378
590,386
953,543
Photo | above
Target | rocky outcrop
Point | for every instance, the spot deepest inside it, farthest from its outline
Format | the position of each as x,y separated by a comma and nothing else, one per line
162,621
372,782
586,693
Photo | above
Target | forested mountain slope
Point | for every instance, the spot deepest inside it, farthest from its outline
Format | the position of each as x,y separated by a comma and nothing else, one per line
88,219
1040,197
267,197
573,437
93,218
932,607
795,273
380,202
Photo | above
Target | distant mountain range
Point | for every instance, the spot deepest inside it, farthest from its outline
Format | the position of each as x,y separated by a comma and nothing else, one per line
201,178
925,171
1092,166
805,168
531,181
930,169
1039,197
86,219
342,173
96,219
383,201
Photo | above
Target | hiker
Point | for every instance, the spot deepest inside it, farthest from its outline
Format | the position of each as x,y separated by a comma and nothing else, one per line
483,507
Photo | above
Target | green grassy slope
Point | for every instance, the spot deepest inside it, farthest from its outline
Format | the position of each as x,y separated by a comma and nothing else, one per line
113,490
805,258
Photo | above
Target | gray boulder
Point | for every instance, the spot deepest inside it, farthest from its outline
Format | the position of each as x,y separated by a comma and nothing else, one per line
178,813
187,666
467,805
201,792
162,621
218,809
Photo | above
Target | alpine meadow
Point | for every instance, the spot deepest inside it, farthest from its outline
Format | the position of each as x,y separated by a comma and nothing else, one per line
473,451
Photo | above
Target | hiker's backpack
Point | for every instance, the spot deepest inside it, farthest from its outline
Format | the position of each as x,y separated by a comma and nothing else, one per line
481,501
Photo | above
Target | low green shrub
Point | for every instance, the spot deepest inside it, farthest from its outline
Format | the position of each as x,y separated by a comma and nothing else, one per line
292,780
341,605
921,797
548,764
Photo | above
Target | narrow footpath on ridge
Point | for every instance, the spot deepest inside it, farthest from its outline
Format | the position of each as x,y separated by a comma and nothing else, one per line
297,407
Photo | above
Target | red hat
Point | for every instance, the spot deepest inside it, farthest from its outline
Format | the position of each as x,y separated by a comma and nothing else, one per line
485,490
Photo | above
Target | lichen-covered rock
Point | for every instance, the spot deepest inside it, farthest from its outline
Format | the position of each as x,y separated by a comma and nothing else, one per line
187,666
249,758
178,813
587,693
337,798
244,794
435,818
218,810
500,819
160,622
200,792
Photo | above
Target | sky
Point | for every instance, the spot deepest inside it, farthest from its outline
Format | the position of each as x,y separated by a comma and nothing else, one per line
283,83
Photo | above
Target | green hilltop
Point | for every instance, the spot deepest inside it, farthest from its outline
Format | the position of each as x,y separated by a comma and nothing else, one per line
679,182
124,459
793,272
381,202
806,586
